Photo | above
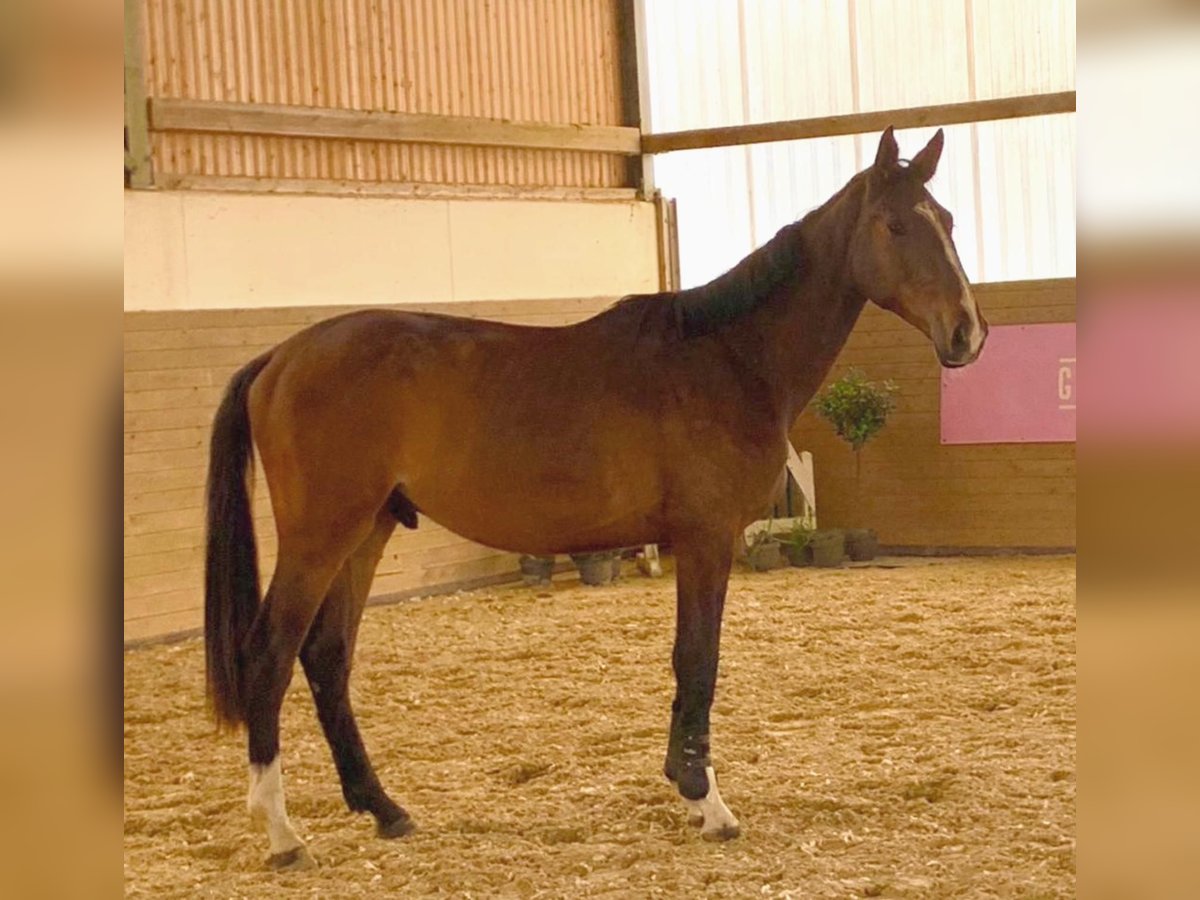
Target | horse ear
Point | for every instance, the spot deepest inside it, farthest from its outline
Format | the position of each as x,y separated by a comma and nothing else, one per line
925,163
887,157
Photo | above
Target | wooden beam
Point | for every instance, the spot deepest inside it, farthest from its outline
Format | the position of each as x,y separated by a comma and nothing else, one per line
347,124
668,243
862,123
635,86
137,133
408,190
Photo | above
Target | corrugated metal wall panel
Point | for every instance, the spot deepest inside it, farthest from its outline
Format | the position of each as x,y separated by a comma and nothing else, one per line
551,61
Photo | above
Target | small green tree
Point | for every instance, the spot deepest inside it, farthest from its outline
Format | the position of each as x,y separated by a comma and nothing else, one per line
857,409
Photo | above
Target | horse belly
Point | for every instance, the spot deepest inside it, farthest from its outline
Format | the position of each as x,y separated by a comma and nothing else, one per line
529,504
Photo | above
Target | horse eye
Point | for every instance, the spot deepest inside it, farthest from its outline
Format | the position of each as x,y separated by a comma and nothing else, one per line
896,227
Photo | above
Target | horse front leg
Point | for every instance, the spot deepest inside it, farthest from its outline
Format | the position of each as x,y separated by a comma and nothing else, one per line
702,576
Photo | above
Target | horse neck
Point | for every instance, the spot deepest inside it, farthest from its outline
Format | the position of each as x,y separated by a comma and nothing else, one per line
793,339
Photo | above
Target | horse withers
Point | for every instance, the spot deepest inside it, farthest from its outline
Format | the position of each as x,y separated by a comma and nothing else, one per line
663,419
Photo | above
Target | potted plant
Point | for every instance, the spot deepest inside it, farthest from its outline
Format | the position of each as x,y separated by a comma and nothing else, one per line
763,551
536,570
827,548
862,544
857,409
595,568
795,544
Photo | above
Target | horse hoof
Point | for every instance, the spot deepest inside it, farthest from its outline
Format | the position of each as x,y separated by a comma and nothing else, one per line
397,828
724,833
297,859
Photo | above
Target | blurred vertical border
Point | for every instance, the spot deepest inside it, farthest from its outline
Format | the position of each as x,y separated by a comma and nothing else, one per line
60,278
1139,221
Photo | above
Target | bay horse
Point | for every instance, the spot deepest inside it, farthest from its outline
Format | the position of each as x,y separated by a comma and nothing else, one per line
663,419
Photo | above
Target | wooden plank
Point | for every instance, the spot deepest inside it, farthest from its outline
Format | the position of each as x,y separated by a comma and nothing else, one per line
912,468
633,72
174,398
170,479
1000,490
222,336
163,520
161,625
224,117
148,420
165,541
501,310
183,499
138,588
165,460
190,534
177,439
667,234
149,360
157,604
234,184
862,123
181,560
169,379
187,498
138,170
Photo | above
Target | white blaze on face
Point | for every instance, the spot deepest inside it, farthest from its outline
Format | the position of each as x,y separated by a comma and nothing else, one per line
967,299
267,806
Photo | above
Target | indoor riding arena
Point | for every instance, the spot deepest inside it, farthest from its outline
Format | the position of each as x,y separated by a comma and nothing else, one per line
863,424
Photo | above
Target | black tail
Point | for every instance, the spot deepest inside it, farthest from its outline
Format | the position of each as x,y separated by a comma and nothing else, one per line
231,589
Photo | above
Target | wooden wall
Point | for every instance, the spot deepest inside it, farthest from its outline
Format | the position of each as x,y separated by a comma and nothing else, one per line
915,492
552,61
919,494
176,367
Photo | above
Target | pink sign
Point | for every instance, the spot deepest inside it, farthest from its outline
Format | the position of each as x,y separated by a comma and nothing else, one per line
1144,381
1021,389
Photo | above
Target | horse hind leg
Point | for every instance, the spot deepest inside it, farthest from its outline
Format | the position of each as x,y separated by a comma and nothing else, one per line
269,654
304,573
327,656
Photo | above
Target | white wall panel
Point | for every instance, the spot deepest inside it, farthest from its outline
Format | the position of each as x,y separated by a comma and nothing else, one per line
206,250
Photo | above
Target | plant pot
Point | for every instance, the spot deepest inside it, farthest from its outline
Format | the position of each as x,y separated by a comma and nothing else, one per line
828,548
765,556
594,568
536,570
798,555
862,544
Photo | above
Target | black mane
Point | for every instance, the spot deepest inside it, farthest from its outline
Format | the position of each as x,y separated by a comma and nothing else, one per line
704,309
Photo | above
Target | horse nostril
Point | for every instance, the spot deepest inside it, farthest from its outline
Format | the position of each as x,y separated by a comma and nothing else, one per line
960,341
